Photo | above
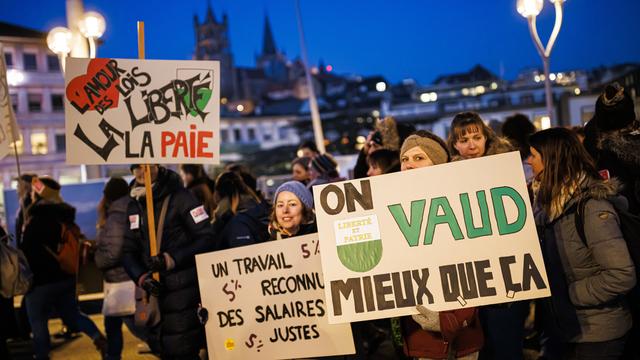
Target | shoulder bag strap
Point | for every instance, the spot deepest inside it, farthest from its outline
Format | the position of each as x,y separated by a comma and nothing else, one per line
163,215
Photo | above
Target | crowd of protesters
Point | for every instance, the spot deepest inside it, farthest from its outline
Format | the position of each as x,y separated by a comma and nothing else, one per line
582,182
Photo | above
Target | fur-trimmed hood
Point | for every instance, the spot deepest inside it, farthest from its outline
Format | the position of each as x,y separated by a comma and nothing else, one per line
388,128
624,144
497,145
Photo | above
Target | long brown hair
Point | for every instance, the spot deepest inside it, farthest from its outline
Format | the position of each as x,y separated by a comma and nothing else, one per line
465,122
103,205
230,188
566,163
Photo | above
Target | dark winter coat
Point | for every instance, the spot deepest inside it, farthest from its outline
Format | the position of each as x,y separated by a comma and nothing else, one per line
109,242
183,237
44,229
247,227
587,282
619,153
201,189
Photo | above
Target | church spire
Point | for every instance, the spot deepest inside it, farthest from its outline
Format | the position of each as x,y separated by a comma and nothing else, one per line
211,17
268,43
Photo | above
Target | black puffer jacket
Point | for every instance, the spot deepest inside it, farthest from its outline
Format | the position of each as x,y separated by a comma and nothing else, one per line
44,229
109,242
184,236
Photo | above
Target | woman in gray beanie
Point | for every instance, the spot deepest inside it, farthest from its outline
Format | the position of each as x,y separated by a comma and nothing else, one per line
292,213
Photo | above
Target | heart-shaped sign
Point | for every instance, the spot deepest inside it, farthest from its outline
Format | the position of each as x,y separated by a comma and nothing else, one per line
96,90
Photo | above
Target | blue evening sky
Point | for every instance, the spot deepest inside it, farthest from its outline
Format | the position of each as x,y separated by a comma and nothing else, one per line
397,39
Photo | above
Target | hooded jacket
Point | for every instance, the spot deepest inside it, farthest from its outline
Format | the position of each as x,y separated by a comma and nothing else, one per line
588,282
618,152
44,230
186,233
110,241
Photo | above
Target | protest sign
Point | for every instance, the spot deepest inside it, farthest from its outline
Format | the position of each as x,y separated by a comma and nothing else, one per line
122,111
9,131
448,236
267,301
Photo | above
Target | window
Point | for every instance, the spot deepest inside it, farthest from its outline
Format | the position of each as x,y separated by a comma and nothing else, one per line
14,102
57,104
35,102
8,58
252,134
224,135
30,62
53,64
237,136
526,99
39,143
19,145
267,137
61,145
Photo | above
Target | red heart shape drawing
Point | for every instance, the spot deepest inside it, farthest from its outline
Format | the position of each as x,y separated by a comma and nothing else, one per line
96,90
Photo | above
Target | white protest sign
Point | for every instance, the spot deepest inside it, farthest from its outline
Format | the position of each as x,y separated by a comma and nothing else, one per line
9,131
122,111
448,236
267,301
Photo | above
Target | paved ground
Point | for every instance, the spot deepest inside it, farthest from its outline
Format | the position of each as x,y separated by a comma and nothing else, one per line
80,347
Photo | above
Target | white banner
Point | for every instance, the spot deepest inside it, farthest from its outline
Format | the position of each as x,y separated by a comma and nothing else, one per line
9,131
267,301
122,111
448,236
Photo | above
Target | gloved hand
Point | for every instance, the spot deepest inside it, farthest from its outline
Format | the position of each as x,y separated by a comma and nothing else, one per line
162,262
158,263
427,319
150,285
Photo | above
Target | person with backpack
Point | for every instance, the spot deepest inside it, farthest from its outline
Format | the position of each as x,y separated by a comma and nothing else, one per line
183,231
587,315
47,234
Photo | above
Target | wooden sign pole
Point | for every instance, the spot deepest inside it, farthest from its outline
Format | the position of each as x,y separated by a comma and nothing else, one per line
153,245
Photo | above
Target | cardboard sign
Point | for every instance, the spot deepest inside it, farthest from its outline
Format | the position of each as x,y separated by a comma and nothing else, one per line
447,236
267,301
121,111
9,131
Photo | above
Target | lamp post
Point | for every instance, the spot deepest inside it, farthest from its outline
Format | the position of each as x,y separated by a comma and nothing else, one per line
59,41
62,41
530,10
92,26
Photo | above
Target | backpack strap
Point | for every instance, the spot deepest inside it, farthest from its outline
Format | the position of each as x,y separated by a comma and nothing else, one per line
163,215
579,218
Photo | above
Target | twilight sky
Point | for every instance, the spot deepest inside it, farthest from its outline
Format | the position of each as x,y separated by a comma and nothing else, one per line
398,39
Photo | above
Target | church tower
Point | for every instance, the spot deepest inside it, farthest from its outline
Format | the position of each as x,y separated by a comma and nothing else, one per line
272,61
212,43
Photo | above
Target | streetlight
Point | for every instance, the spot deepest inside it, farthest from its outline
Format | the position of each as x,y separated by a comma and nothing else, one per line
59,41
530,10
92,26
